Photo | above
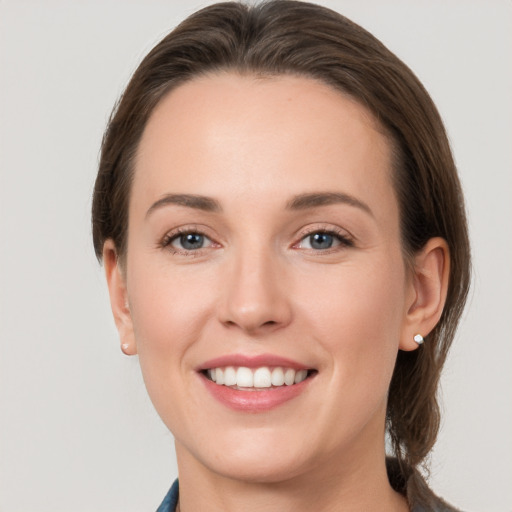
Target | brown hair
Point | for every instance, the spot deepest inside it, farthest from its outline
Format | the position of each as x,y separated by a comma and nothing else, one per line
290,37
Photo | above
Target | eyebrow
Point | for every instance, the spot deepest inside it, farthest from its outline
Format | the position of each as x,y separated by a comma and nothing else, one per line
315,199
203,203
299,202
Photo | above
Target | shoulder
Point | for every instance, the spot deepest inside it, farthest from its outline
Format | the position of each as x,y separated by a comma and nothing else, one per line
171,499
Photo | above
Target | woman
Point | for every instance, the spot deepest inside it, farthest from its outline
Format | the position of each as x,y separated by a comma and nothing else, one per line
285,245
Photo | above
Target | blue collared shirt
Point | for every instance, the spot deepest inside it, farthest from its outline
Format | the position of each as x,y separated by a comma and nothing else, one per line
171,499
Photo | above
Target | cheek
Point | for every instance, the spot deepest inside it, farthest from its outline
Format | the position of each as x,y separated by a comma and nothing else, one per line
356,315
167,303
169,312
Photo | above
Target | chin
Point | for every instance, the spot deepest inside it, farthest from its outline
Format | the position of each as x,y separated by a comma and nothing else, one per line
266,469
267,458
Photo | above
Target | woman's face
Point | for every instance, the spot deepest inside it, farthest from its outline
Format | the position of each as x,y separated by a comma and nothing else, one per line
264,243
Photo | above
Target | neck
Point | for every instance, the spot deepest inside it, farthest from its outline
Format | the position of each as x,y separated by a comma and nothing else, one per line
355,483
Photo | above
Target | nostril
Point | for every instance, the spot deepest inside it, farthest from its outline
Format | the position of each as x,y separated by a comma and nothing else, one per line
252,326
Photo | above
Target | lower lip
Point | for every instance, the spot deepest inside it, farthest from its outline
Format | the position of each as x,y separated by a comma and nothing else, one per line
255,401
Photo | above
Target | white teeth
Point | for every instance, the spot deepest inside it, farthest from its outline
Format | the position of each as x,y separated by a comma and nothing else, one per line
262,377
230,376
244,377
289,377
277,377
300,376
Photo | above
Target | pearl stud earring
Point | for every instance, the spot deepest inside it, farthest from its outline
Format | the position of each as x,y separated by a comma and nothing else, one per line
418,338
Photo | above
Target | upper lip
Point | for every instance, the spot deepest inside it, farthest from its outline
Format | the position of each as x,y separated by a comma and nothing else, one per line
251,361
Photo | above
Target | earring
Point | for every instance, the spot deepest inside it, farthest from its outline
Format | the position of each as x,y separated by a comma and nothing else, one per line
418,338
125,347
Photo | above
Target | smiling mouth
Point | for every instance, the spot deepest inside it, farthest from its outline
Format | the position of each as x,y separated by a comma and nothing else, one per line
256,379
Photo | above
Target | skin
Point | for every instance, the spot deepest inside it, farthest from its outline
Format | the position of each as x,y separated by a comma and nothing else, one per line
259,286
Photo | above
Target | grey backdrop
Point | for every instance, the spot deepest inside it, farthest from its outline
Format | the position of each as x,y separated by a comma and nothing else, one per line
77,431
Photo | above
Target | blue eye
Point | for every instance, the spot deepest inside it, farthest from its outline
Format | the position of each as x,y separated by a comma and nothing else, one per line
324,240
189,241
321,241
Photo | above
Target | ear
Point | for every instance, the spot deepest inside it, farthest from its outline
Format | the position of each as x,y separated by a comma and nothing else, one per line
116,282
428,286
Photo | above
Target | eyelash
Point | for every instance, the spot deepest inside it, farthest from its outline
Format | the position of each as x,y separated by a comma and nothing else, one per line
344,241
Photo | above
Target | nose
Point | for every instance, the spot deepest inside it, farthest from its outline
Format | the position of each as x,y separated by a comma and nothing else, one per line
256,298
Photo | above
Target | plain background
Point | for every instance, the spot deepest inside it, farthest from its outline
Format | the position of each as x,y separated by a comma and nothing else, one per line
77,431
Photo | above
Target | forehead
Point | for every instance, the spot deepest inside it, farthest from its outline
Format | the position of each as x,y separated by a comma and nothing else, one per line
253,132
